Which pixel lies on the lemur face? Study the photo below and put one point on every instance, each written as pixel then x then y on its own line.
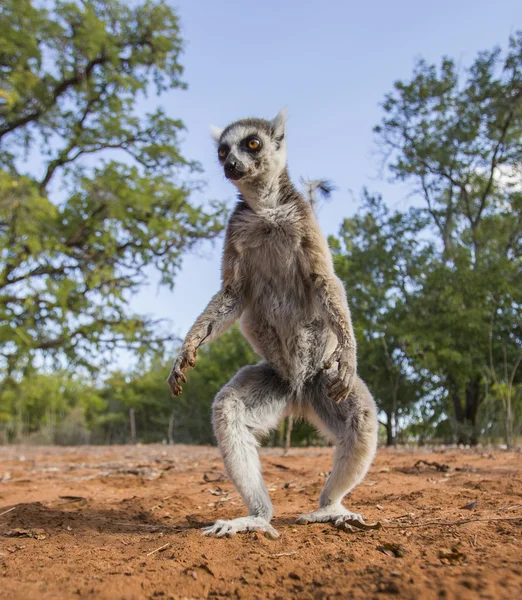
pixel 252 149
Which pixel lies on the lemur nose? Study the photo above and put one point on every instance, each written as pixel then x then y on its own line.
pixel 233 168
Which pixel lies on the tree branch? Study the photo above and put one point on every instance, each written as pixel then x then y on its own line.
pixel 58 91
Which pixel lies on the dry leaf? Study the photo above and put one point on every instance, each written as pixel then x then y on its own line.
pixel 214 477
pixel 391 549
pixel 73 499
pixel 351 524
pixel 451 557
pixel 37 534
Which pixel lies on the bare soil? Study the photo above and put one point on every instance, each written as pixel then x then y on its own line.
pixel 123 522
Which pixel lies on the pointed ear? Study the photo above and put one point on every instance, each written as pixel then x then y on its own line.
pixel 279 123
pixel 216 132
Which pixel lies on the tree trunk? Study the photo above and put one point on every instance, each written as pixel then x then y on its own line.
pixel 395 412
pixel 472 406
pixel 466 412
pixel 508 425
pixel 288 437
pixel 170 432
pixel 389 429
pixel 132 417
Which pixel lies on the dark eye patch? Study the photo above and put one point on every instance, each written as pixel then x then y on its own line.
pixel 223 151
pixel 252 144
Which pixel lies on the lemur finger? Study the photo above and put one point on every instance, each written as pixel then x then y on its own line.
pixel 341 396
pixel 338 391
pixel 335 386
pixel 178 376
pixel 334 357
pixel 343 370
pixel 337 396
pixel 175 390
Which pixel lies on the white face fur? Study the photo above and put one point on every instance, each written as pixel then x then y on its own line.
pixel 252 151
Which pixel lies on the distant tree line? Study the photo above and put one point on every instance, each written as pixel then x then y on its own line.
pixel 435 289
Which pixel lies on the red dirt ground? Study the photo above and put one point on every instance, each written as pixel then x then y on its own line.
pixel 122 522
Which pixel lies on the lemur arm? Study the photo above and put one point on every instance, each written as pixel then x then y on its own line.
pixel 331 297
pixel 335 308
pixel 219 315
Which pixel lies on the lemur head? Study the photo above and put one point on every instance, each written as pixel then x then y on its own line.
pixel 252 151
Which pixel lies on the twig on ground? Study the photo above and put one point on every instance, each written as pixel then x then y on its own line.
pixel 71 500
pixel 7 511
pixel 281 554
pixel 438 466
pixel 159 549
pixel 451 523
pixel 132 524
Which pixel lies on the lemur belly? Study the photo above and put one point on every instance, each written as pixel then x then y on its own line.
pixel 284 325
pixel 296 353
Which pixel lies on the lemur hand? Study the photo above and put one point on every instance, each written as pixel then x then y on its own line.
pixel 342 382
pixel 186 359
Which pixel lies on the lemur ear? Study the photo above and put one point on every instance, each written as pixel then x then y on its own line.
pixel 216 132
pixel 279 123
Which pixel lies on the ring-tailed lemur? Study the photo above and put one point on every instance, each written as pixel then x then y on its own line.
pixel 278 279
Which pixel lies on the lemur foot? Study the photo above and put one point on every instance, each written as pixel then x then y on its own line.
pixel 230 528
pixel 338 515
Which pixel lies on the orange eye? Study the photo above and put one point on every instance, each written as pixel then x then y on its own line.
pixel 254 143
pixel 222 152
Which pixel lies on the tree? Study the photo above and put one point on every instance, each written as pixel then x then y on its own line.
pixel 78 235
pixel 185 418
pixel 504 387
pixel 380 257
pixel 54 408
pixel 458 140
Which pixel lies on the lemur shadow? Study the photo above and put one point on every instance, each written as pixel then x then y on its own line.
pixel 284 521
pixel 35 515
pixel 130 519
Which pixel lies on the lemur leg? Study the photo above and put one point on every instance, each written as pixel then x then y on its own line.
pixel 249 406
pixel 353 426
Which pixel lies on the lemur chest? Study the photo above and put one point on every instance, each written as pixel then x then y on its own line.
pixel 273 265
pixel 270 231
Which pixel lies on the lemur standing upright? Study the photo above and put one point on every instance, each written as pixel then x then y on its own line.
pixel 278 279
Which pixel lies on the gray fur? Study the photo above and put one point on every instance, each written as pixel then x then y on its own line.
pixel 278 279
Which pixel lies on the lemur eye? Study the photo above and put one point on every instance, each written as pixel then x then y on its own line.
pixel 222 151
pixel 254 143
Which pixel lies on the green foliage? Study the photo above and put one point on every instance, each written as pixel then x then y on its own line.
pixel 457 139
pixel 52 408
pixel 71 75
pixel 146 392
pixel 380 258
pixel 216 365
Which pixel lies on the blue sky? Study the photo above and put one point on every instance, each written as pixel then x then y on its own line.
pixel 330 63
